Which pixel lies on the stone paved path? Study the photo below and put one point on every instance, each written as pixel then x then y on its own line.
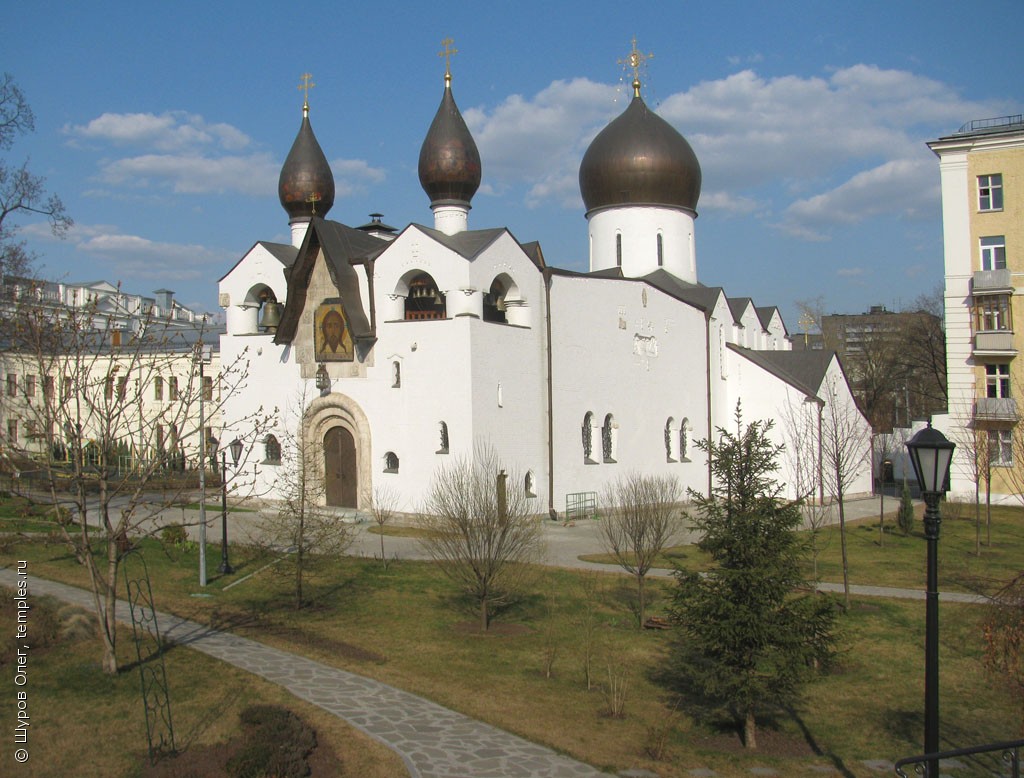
pixel 431 739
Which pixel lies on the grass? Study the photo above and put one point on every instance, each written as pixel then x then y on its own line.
pixel 85 723
pixel 408 626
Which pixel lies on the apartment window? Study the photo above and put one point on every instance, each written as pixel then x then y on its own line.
pixel 12 385
pixel 12 432
pixel 30 386
pixel 993 252
pixel 997 380
pixel 48 387
pixel 158 388
pixel 207 388
pixel 992 313
pixel 990 192
pixel 122 388
pixel 108 388
pixel 172 387
pixel 66 388
pixel 1000 448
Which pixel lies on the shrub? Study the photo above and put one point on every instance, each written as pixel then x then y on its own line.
pixel 174 535
pixel 275 742
pixel 905 515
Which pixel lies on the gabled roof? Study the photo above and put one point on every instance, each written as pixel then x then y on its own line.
pixel 803 370
pixel 284 253
pixel 766 313
pixel 342 247
pixel 467 244
pixel 697 295
pixel 738 306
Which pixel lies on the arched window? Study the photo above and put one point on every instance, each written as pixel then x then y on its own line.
pixel 424 300
pixel 391 462
pixel 683 441
pixel 272 450
pixel 588 437
pixel 530 484
pixel 396 374
pixel 608 438
pixel 618 249
pixel 670 440
pixel 661 250
pixel 494 303
pixel 443 430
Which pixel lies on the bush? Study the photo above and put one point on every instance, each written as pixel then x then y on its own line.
pixel 174 535
pixel 275 742
pixel 905 515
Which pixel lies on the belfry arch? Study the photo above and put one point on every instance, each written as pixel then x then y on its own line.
pixel 338 424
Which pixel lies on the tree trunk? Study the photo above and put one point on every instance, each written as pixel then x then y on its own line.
pixel 484 621
pixel 750 730
pixel 641 604
pixel 846 563
pixel 977 520
pixel 881 515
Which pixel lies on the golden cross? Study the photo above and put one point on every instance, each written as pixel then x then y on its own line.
pixel 305 86
pixel 806 321
pixel 314 199
pixel 636 61
pixel 447 54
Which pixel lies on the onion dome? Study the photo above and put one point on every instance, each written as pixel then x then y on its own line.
pixel 639 159
pixel 449 161
pixel 306 186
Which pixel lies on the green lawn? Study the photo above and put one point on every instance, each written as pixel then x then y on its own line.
pixel 406 625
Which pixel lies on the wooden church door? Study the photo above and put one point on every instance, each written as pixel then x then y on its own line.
pixel 340 468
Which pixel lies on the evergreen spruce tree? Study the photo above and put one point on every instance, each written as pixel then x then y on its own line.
pixel 750 638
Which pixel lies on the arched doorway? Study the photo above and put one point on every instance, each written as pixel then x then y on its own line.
pixel 340 470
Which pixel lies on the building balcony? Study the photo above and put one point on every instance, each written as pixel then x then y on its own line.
pixel 991 282
pixel 995 343
pixel 995 409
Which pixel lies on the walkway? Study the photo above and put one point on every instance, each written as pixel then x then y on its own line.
pixel 432 740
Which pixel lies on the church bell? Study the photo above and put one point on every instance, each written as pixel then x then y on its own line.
pixel 270 317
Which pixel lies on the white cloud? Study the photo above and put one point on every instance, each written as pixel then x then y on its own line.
pixel 132 256
pixel 903 187
pixel 169 131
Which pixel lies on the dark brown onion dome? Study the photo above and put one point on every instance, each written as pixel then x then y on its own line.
pixel 639 159
pixel 306 186
pixel 449 161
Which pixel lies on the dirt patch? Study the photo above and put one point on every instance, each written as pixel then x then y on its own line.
pixel 211 762
pixel 770 742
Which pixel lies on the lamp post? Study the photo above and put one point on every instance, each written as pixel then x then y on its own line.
pixel 931 454
pixel 200 354
pixel 236 452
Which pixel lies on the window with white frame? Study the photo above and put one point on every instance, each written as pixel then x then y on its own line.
pixel 990 192
pixel 1000 448
pixel 993 252
pixel 992 313
pixel 997 379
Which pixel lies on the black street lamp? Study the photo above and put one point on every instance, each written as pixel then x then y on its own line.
pixel 931 454
pixel 236 452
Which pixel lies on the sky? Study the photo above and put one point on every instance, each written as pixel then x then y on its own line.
pixel 163 127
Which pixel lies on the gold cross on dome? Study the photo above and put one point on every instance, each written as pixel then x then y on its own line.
pixel 305 86
pixel 447 53
pixel 636 60
pixel 314 199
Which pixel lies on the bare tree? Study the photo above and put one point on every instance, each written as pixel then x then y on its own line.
pixel 110 421
pixel 844 436
pixel 303 530
pixel 382 504
pixel 21 192
pixel 801 428
pixel 640 515
pixel 481 530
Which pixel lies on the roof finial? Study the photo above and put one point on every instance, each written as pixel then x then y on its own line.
pixel 636 61
pixel 447 54
pixel 305 86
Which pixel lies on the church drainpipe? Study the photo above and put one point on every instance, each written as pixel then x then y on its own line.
pixel 551 429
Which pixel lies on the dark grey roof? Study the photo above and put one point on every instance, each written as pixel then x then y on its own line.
pixel 697 295
pixel 468 243
pixel 284 253
pixel 765 314
pixel 804 370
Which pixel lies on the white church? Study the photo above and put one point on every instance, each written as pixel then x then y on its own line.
pixel 400 349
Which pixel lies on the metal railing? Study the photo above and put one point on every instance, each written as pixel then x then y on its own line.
pixel 995 123
pixel 1008 751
